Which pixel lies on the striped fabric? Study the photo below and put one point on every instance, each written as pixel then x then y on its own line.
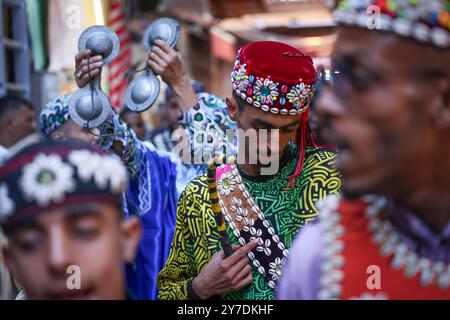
pixel 120 65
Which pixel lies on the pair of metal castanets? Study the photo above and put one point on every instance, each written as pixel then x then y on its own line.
pixel 89 106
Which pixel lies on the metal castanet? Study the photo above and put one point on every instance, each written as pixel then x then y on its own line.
pixel 102 41
pixel 165 29
pixel 89 106
pixel 143 91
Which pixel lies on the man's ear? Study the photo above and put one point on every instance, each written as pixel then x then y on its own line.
pixel 441 104
pixel 232 108
pixel 58 135
pixel 131 236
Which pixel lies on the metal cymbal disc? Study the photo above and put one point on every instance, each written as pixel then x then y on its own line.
pixel 86 115
pixel 142 92
pixel 165 29
pixel 101 40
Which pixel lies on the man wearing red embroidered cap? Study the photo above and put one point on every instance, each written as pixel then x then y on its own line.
pixel 389 111
pixel 273 84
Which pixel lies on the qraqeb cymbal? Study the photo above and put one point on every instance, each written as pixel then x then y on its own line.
pixel 100 40
pixel 89 107
pixel 165 29
pixel 143 91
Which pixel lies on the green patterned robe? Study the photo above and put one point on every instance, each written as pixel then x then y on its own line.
pixel 196 238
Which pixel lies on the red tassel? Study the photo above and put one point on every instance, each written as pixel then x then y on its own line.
pixel 305 138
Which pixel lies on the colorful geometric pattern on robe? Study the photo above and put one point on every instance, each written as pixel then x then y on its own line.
pixel 196 238
pixel 206 126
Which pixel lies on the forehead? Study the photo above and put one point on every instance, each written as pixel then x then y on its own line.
pixel 72 126
pixel 49 218
pixel 378 49
pixel 23 111
pixel 275 119
pixel 25 108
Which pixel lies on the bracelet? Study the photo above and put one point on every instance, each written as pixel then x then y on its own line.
pixel 190 291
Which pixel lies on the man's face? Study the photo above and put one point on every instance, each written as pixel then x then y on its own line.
pixel 135 122
pixel 73 131
pixel 91 237
pixel 173 114
pixel 383 127
pixel 22 124
pixel 250 119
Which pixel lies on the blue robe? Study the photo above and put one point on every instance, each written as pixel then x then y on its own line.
pixel 158 173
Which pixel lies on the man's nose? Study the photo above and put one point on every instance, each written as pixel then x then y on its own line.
pixel 328 106
pixel 58 256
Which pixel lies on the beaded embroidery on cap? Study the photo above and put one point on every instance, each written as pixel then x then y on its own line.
pixel 263 92
pixel 424 20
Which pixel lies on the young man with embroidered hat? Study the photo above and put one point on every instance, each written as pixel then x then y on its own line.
pixel 60 207
pixel 389 111
pixel 273 84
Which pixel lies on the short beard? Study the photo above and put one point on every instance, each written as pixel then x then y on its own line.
pixel 358 192
pixel 354 194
